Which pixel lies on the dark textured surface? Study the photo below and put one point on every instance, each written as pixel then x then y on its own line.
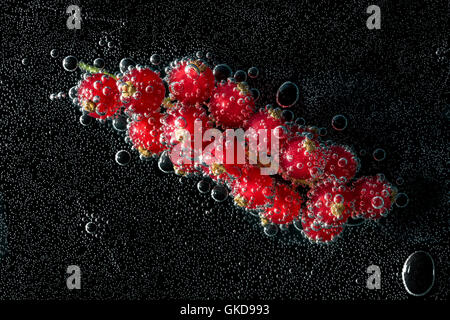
pixel 157 237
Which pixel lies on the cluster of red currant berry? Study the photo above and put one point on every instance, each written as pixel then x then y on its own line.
pixel 314 184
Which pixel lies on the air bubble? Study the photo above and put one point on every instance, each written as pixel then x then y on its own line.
pixel 123 157
pixel 339 122
pixel 219 193
pixel 155 59
pixel 379 154
pixel 287 94
pixel 70 63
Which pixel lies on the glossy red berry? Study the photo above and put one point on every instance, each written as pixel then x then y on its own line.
pixel 191 82
pixel 374 197
pixel 225 159
pixel 145 135
pixel 341 162
pixel 182 126
pixel 316 232
pixel 302 160
pixel 231 104
pixel 98 95
pixel 261 126
pixel 330 203
pixel 253 190
pixel 142 91
pixel 286 206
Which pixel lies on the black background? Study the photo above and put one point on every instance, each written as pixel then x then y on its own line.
pixel 157 237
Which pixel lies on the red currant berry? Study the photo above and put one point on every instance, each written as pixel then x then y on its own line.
pixel 142 91
pixel 253 190
pixel 341 163
pixel 302 160
pixel 182 130
pixel 330 202
pixel 270 120
pixel 374 197
pixel 145 135
pixel 231 104
pixel 286 206
pixel 315 232
pixel 98 95
pixel 191 82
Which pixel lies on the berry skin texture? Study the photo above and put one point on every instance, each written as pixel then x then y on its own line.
pixel 98 95
pixel 231 104
pixel 142 91
pixel 178 130
pixel 219 167
pixel 266 119
pixel 252 190
pixel 286 206
pixel 302 160
pixel 315 232
pixel 341 162
pixel 145 135
pixel 374 197
pixel 330 203
pixel 191 82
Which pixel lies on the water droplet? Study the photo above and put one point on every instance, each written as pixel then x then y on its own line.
pixel 222 72
pixel 401 200
pixel 240 76
pixel 164 163
pixel 90 227
pixel 54 53
pixel 377 202
pixel 203 186
pixel 287 115
pixel 85 120
pixel 255 93
pixel 287 94
pixel 155 59
pixel 125 63
pixel 418 273
pixel 120 123
pixel 99 63
pixel 379 154
pixel 339 122
pixel 253 72
pixel 219 193
pixel 123 157
pixel 270 229
pixel 70 63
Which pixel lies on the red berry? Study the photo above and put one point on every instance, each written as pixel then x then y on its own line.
pixel 179 125
pixel 302 160
pixel 330 202
pixel 191 82
pixel 266 119
pixel 314 231
pixel 252 190
pixel 225 162
pixel 142 90
pixel 145 135
pixel 341 162
pixel 231 104
pixel 98 94
pixel 286 206
pixel 374 197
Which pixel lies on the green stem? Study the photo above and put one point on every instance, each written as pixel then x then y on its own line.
pixel 92 69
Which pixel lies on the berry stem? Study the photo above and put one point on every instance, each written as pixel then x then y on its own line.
pixel 92 69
